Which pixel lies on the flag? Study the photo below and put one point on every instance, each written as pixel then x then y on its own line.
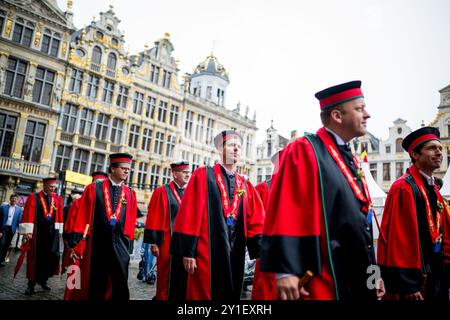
pixel 364 156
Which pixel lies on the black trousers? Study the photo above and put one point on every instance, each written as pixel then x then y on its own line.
pixel 5 242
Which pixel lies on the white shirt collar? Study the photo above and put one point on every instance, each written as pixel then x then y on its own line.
pixel 339 140
pixel 429 179
pixel 115 184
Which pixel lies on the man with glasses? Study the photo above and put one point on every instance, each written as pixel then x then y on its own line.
pixel 41 225
pixel 162 211
pixel 102 231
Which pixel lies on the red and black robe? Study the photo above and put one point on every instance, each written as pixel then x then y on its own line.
pixel 316 222
pixel 68 234
pixel 408 252
pixel 162 210
pixel 201 232
pixel 43 257
pixel 264 283
pixel 103 270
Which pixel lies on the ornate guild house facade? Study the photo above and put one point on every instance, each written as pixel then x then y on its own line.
pixel 69 97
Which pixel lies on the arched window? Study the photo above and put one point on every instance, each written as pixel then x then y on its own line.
pixel 97 55
pixel 96 59
pixel 398 145
pixel 112 60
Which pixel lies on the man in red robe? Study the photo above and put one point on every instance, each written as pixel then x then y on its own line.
pixel 264 283
pixel 103 228
pixel 70 220
pixel 221 213
pixel 42 225
pixel 319 216
pixel 162 211
pixel 415 257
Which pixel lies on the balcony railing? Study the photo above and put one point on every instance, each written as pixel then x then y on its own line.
pixel 84 141
pixel 23 168
pixel 95 67
pixel 110 73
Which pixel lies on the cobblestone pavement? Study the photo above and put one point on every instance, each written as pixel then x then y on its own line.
pixel 14 289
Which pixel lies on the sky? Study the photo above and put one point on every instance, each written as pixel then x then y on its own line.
pixel 279 53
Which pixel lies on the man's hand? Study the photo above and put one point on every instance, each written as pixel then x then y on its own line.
pixel 29 236
pixel 414 296
pixel 74 255
pixel 381 290
pixel 288 288
pixel 1 234
pixel 155 250
pixel 189 264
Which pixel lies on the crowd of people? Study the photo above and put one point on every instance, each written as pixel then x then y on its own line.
pixel 309 227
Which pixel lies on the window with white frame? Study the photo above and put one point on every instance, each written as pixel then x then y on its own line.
pixel 159 140
pixel 80 161
pixel 76 81
pixel 147 139
pixel 142 175
pixel 92 87
pixel 86 122
pixel 151 106
pixel 15 77
pixel 97 162
pixel 166 79
pixel 174 115
pixel 108 91
pixel 167 175
pixel 23 32
pixel 138 102
pixel 43 86
pixel 69 118
pixel 96 59
pixel 134 135
pixel 102 126
pixel 122 97
pixel 170 145
pixel 162 111
pixel 199 128
pixel 154 74
pixel 116 131
pixel 188 124
pixel 209 131
pixel 8 125
pixel 63 154
pixel 154 177
pixel 34 141
pixel 50 43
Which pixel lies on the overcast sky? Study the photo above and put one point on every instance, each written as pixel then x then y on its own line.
pixel 279 53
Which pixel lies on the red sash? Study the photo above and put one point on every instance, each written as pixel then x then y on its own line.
pixel 363 197
pixel 175 193
pixel 433 225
